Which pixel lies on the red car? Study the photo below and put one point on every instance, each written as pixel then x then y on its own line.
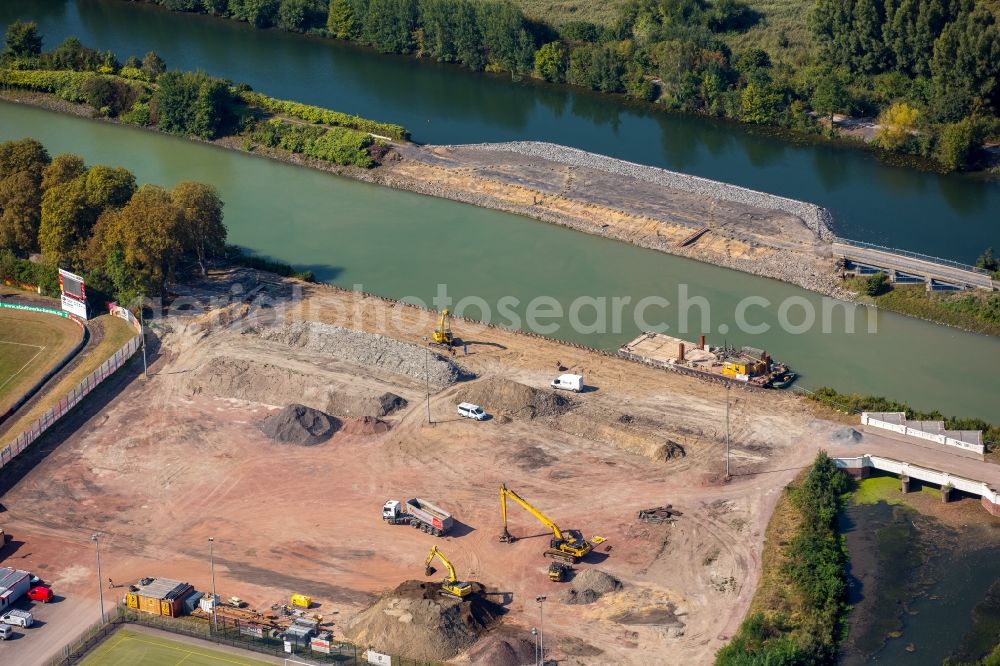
pixel 40 593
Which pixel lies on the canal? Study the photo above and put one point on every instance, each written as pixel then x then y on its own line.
pixel 951 216
pixel 401 244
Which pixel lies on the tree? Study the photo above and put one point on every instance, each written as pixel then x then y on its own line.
pixel 343 21
pixel 65 223
pixel 551 62
pixel 760 102
pixel 108 187
pixel 20 200
pixel 258 13
pixel 830 95
pixel 987 261
pixel 22 40
pixel 957 144
pixel 201 229
pixel 295 15
pixel 145 231
pixel 63 169
pixel 896 126
pixel 876 284
pixel 153 66
pixel 23 155
pixel 192 103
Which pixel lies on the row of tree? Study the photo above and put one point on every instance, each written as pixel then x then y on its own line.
pixel 97 221
pixel 939 57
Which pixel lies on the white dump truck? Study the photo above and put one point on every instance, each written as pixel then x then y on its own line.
pixel 568 383
pixel 419 514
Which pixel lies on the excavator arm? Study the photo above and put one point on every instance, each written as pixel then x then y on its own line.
pixel 444 560
pixel 505 492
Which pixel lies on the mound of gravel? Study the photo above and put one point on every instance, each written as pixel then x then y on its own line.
pixel 298 424
pixel 271 384
pixel 498 649
pixel 368 349
pixel 846 436
pixel 500 396
pixel 416 621
pixel 588 586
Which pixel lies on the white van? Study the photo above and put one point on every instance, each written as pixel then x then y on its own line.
pixel 18 618
pixel 568 382
pixel 470 411
pixel 6 631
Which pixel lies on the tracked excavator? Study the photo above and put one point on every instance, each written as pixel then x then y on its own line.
pixel 565 546
pixel 450 586
pixel 442 334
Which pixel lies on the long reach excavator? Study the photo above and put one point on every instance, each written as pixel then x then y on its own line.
pixel 450 585
pixel 565 545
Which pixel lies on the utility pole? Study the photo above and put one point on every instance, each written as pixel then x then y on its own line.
pixel 727 431
pixel 142 332
pixel 215 597
pixel 541 631
pixel 427 380
pixel 96 538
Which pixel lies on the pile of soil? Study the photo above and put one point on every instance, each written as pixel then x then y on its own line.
pixel 500 396
pixel 367 349
pixel 504 648
pixel 298 424
pixel 366 426
pixel 416 621
pixel 588 586
pixel 624 432
pixel 270 384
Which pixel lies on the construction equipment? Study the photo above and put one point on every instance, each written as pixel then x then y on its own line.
pixel 442 334
pixel 559 572
pixel 450 585
pixel 418 513
pixel 566 545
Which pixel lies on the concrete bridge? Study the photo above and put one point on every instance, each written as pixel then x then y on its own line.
pixel 949 482
pixel 910 267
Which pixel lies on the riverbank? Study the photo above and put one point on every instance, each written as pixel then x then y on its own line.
pixel 705 220
pixel 921 576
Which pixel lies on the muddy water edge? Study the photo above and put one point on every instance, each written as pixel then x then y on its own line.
pixel 924 576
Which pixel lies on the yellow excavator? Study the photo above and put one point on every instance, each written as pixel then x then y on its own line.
pixel 566 545
pixel 450 585
pixel 442 334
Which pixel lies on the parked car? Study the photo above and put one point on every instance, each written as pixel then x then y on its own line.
pixel 40 593
pixel 6 631
pixel 470 411
pixel 17 618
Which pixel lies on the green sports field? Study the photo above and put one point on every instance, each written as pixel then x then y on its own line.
pixel 131 648
pixel 30 344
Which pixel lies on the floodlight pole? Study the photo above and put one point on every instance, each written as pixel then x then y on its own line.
pixel 541 631
pixel 215 597
pixel 534 632
pixel 96 538
pixel 427 380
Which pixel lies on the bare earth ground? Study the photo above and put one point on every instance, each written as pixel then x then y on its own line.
pixel 159 471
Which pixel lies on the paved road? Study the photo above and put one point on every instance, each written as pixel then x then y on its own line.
pixel 935 458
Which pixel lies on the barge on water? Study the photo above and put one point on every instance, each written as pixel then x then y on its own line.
pixel 745 366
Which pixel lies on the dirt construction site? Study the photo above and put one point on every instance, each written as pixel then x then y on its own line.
pixel 294 503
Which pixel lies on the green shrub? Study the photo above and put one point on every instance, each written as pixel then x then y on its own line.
pixel 317 115
pixel 21 271
pixel 138 115
pixel 877 284
pixel 338 145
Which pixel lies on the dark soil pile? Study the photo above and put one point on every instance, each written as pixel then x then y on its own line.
pixel 416 621
pixel 368 425
pixel 301 425
pixel 504 648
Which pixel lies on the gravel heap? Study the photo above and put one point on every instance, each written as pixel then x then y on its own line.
pixel 588 586
pixel 416 621
pixel 367 349
pixel 298 424
pixel 818 219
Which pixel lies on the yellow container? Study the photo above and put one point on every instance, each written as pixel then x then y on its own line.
pixel 131 600
pixel 301 600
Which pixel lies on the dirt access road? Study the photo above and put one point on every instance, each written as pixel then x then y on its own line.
pixel 164 467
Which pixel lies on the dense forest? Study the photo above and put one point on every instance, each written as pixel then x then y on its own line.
pixel 127 239
pixel 929 69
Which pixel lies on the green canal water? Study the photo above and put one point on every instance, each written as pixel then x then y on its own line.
pixel 400 244
pixel 952 216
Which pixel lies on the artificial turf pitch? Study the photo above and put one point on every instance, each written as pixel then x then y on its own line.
pixel 130 648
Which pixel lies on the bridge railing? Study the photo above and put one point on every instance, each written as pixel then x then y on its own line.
pixel 912 255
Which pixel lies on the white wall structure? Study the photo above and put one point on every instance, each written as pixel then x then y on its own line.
pixel 932 431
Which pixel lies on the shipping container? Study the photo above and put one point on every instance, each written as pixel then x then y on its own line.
pixel 14 584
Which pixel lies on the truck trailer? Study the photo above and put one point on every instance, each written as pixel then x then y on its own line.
pixel 14 584
pixel 419 514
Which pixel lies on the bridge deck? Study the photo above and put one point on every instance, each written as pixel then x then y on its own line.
pixel 928 268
